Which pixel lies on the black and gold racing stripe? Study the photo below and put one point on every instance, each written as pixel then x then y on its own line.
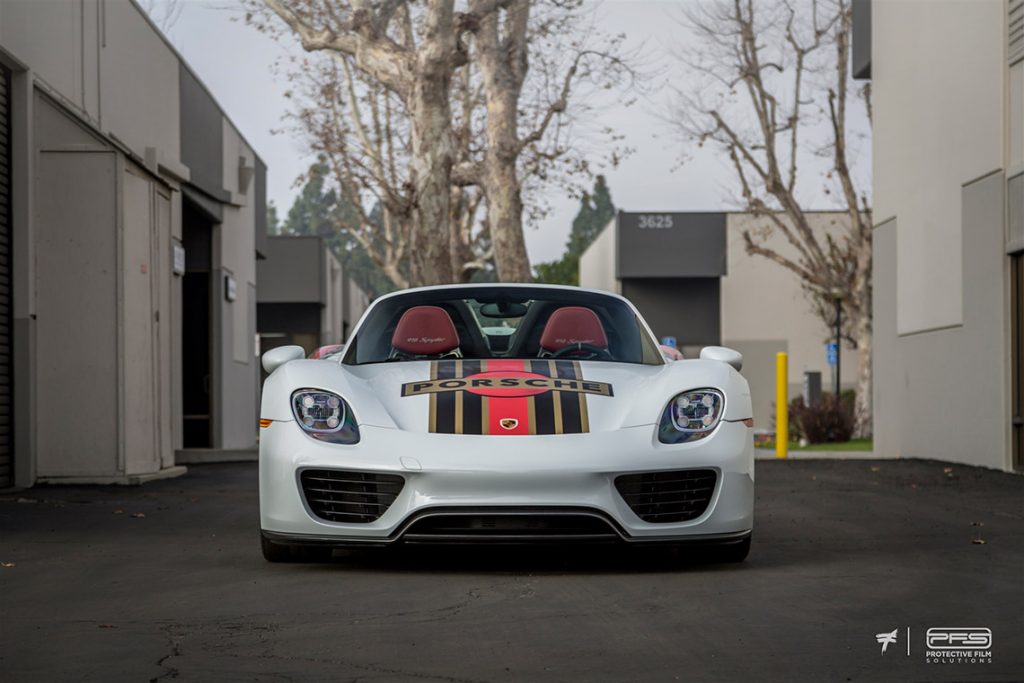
pixel 444 411
pixel 465 412
pixel 560 412
pixel 471 420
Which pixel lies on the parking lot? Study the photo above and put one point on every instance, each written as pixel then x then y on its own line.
pixel 166 581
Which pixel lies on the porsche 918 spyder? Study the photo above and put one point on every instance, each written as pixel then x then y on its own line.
pixel 503 413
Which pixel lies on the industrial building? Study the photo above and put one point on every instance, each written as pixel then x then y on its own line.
pixel 948 148
pixel 691 277
pixel 303 295
pixel 132 214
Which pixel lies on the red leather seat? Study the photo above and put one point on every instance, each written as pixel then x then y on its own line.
pixel 425 331
pixel 573 325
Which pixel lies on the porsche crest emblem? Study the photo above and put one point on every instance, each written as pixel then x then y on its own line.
pixel 509 423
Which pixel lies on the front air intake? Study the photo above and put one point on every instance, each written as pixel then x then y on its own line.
pixel 665 497
pixel 349 497
pixel 522 525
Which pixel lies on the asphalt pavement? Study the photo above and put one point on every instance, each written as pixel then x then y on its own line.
pixel 166 581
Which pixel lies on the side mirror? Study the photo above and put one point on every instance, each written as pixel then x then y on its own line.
pixel 724 355
pixel 275 358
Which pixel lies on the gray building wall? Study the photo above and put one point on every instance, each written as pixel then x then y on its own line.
pixel 293 270
pixel 304 295
pixel 688 309
pixel 97 182
pixel 662 244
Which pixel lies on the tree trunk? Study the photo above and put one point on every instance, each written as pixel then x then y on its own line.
pixel 503 66
pixel 862 409
pixel 862 291
pixel 505 220
pixel 430 174
pixel 459 230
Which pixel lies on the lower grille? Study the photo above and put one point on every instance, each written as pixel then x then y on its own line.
pixel 664 497
pixel 509 527
pixel 349 497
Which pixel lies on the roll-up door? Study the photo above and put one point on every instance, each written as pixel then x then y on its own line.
pixel 6 313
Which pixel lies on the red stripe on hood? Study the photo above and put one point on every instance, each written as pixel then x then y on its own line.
pixel 516 408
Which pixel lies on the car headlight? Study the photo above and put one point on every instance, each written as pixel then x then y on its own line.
pixel 691 416
pixel 325 416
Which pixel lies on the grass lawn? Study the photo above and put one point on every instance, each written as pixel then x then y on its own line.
pixel 854 445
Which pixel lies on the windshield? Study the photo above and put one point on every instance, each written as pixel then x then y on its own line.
pixel 482 323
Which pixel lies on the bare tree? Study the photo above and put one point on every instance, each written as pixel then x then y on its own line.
pixel 771 77
pixel 527 122
pixel 413 58
pixel 477 129
pixel 362 132
pixel 357 127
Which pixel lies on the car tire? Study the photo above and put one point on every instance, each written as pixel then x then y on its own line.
pixel 282 552
pixel 732 552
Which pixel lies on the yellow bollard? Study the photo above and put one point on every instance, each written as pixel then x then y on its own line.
pixel 781 404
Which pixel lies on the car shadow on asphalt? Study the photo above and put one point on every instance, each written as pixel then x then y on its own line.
pixel 532 559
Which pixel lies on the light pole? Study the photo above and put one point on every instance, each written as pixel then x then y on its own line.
pixel 837 294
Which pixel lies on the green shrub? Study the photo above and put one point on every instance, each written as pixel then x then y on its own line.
pixel 827 421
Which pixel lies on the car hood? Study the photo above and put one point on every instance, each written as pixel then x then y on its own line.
pixel 506 397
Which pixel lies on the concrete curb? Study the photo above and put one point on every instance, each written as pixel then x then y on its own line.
pixel 203 456
pixel 769 454
pixel 128 480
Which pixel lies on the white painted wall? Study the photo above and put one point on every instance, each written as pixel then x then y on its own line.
pixel 946 127
pixel 944 394
pixel 938 72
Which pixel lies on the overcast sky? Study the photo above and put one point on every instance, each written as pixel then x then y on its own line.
pixel 235 62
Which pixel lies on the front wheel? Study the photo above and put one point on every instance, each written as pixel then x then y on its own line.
pixel 283 552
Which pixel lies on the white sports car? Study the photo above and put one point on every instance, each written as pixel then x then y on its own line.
pixel 508 414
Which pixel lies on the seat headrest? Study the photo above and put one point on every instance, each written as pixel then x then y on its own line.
pixel 425 331
pixel 573 325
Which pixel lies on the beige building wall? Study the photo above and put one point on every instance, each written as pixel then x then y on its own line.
pixel 332 320
pixel 97 177
pixel 53 37
pixel 70 45
pixel 597 263
pixel 234 249
pixel 765 310
pixel 356 303
pixel 945 132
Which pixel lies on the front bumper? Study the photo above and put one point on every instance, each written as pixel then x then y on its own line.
pixel 570 474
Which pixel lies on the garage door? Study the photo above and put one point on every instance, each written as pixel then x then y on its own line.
pixel 6 402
